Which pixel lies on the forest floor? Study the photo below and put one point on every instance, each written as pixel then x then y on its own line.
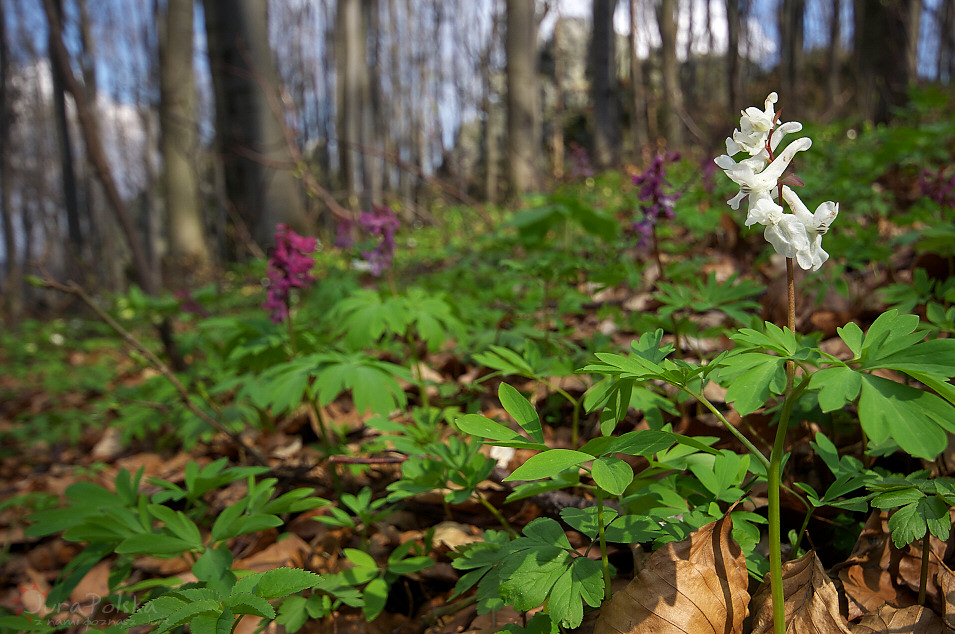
pixel 863 570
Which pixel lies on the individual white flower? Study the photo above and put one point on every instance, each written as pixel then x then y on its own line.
pixel 764 211
pixel 816 225
pixel 754 127
pixel 788 236
pixel 756 179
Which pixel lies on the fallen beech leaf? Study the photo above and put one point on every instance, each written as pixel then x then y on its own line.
pixel 914 619
pixel 812 603
pixel 877 572
pixel 696 585
pixel 946 583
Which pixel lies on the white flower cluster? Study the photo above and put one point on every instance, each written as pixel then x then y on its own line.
pixel 797 235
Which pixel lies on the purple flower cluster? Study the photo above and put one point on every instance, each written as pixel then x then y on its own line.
pixel 289 267
pixel 938 187
pixel 656 202
pixel 580 167
pixel 381 223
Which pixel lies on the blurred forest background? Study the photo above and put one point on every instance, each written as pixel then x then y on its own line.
pixel 149 141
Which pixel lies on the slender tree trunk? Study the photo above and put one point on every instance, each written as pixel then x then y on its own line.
pixel 945 66
pixel 557 128
pixel 352 84
pixel 638 91
pixel 913 22
pixel 148 279
pixel 13 285
pixel 67 165
pixel 672 92
pixel 188 245
pixel 734 83
pixel 604 84
pixel 792 60
pixel 250 133
pixel 881 56
pixel 833 52
pixel 523 109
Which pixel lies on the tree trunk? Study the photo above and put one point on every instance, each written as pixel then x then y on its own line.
pixel 791 58
pixel 523 109
pixel 833 52
pixel 13 275
pixel 250 131
pixel 881 56
pixel 734 85
pixel 945 66
pixel 604 85
pixel 147 278
pixel 353 87
pixel 639 125
pixel 188 246
pixel 67 167
pixel 672 93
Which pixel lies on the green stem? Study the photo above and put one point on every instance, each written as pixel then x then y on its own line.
pixel 416 372
pixel 496 513
pixel 773 480
pixel 575 417
pixel 773 473
pixel 923 573
pixel 326 443
pixel 729 426
pixel 601 536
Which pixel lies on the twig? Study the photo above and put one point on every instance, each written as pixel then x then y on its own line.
pixel 74 289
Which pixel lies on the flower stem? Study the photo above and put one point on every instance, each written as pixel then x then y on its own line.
pixel 773 473
pixel 601 535
pixel 729 426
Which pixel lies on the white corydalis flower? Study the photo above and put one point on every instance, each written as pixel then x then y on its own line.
pixel 756 179
pixel 755 126
pixel 816 225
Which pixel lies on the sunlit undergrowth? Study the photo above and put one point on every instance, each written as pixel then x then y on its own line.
pixel 382 386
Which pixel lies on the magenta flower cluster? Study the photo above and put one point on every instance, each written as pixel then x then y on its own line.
pixel 655 201
pixel 382 224
pixel 938 187
pixel 289 267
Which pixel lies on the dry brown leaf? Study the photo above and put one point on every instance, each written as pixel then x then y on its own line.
pixel 696 585
pixel 946 584
pixel 877 572
pixel 914 619
pixel 812 602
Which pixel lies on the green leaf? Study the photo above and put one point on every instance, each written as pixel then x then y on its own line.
pixel 751 389
pixel 548 464
pixel 248 603
pixel 281 582
pixel 153 544
pixel 178 524
pixel 483 427
pixel 585 520
pixel 852 336
pixel 190 611
pixel 376 595
pixel 529 574
pixel 906 414
pixel 156 610
pixel 215 568
pixel 213 623
pixel 936 356
pixel 613 475
pixel 899 497
pixel 522 411
pixel 583 581
pixel 907 525
pixel 225 525
pixel 837 386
